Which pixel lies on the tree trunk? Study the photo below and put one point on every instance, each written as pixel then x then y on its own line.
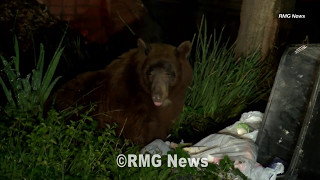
pixel 259 25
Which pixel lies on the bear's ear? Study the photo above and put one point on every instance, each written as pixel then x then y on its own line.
pixel 184 49
pixel 143 46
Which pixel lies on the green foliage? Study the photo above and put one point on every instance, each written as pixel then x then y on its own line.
pixel 191 122
pixel 222 85
pixel 28 94
pixel 53 149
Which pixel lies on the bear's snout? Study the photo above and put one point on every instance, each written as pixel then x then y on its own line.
pixel 159 90
pixel 156 98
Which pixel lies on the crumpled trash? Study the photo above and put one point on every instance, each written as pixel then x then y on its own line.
pixel 236 141
pixel 156 147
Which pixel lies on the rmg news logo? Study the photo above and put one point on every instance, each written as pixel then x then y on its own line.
pixel 289 16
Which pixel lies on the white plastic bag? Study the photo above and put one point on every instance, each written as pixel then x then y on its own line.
pixel 239 147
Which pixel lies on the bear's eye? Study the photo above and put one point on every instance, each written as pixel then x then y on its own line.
pixel 171 74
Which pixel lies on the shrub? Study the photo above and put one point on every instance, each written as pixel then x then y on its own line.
pixel 26 96
pixel 222 85
pixel 55 150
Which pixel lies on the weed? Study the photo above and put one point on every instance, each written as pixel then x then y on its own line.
pixel 222 85
pixel 28 95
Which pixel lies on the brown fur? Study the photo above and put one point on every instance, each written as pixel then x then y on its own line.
pixel 123 91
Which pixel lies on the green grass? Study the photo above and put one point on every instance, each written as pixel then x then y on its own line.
pixel 222 85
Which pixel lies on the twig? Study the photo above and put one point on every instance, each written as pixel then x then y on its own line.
pixel 126 24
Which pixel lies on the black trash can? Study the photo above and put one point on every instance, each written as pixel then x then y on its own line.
pixel 291 125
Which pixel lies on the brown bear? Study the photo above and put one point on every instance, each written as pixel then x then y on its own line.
pixel 143 91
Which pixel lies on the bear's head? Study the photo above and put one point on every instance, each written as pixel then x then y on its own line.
pixel 163 68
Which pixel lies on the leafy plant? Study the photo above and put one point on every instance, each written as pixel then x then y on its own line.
pixel 76 150
pixel 223 85
pixel 29 94
pixel 55 150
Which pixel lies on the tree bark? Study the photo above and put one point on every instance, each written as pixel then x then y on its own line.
pixel 259 25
